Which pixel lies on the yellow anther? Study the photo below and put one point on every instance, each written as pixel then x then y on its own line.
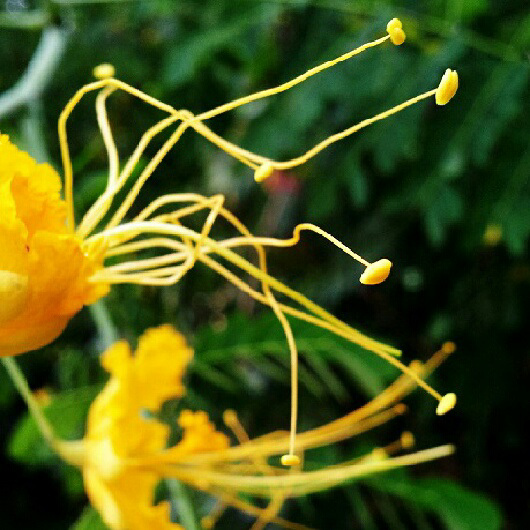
pixel 263 172
pixel 395 23
pixel 230 417
pixel 103 71
pixel 376 272
pixel 395 30
pixel 378 454
pixel 290 460
pixel 407 440
pixel 448 347
pixel 13 294
pixel 446 404
pixel 447 87
pixel 492 235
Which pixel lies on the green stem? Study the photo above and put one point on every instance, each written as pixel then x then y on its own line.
pixel 187 514
pixel 71 452
pixel 32 20
pixel 21 384
pixel 104 325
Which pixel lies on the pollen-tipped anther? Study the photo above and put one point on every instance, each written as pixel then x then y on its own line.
pixel 103 71
pixel 378 454
pixel 13 293
pixel 395 30
pixel 448 347
pixel 376 272
pixel 407 440
pixel 229 417
pixel 492 235
pixel 290 460
pixel 446 404
pixel 447 87
pixel 263 172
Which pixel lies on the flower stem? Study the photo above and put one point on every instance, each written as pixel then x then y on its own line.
pixel 21 384
pixel 69 451
pixel 187 514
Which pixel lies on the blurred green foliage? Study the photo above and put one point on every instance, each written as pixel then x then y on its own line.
pixel 420 188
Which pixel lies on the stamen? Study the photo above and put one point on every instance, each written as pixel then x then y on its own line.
pixel 232 422
pixel 446 404
pixel 349 131
pixel 289 84
pixel 290 460
pixel 448 347
pixel 302 483
pixel 103 71
pixel 447 87
pixel 263 172
pixel 395 31
pixel 379 267
pixel 407 440
pixel 376 272
pixel 377 455
pixel 106 133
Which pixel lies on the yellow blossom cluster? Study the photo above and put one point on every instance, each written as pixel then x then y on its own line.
pixel 121 436
pixel 124 453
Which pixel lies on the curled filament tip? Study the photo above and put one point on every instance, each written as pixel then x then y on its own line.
pixel 263 172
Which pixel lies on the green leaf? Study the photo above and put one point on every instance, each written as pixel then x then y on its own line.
pixel 89 520
pixel 263 343
pixel 187 56
pixel 66 413
pixel 458 507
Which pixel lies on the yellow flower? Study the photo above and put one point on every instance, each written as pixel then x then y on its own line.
pixel 124 453
pixel 121 436
pixel 44 273
pixel 64 267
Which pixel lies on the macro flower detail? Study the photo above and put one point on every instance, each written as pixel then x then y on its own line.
pixel 121 436
pixel 67 264
pixel 44 273
pixel 125 452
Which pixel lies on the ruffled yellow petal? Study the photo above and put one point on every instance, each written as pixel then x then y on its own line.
pixel 160 362
pixel 102 499
pixel 13 293
pixel 13 233
pixel 120 434
pixel 36 244
pixel 35 189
